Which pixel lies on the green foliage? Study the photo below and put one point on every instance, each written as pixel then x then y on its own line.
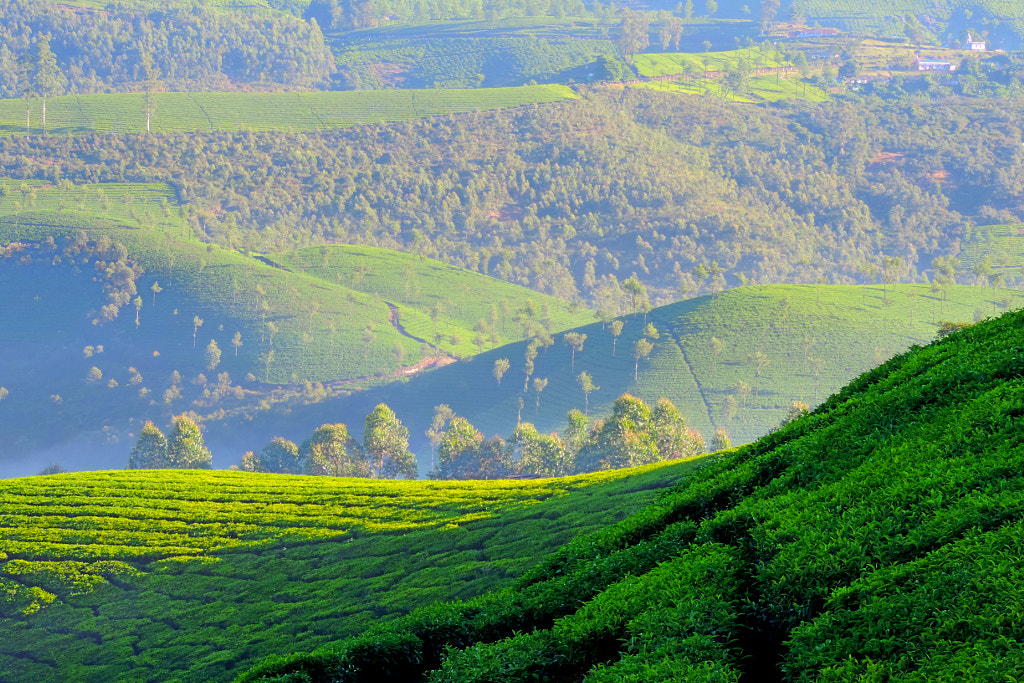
pixel 280 456
pixel 191 48
pixel 185 448
pixel 261 563
pixel 876 536
pixel 150 451
pixel 386 444
pixel 330 451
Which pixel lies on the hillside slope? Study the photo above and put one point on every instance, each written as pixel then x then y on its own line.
pixel 283 336
pixel 169 576
pixel 874 539
pixel 810 340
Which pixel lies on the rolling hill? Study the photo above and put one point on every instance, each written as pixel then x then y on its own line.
pixel 299 338
pixel 807 341
pixel 172 576
pixel 876 538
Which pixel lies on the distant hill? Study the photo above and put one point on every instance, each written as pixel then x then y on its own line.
pixel 809 340
pixel 877 538
pixel 258 563
pixel 299 338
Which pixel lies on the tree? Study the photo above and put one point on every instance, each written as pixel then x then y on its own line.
pixel 156 289
pixel 717 346
pixel 651 332
pixel 197 322
pixel 711 7
pixel 616 331
pixel 625 439
pixel 636 292
pixel 137 302
pixel 50 81
pixel 586 383
pixel 152 76
pixel 574 340
pixel 442 414
pixel 720 441
pixel 538 386
pixel 332 452
pixel 501 366
pixel 185 446
pixel 673 438
pixel 212 355
pixel 4 393
pixel 634 32
pixel 94 375
pixel 538 454
pixel 641 349
pixel 459 454
pixel 797 410
pixel 760 361
pixel 279 456
pixel 150 450
pixel 688 9
pixel 386 442
pixel 236 341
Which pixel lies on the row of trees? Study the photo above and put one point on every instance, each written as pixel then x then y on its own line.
pixel 634 434
pixel 331 451
pixel 46 50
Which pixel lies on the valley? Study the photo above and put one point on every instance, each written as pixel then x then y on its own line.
pixel 521 340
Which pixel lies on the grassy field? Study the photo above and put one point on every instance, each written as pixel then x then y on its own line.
pixel 185 112
pixel 679 63
pixel 114 575
pixel 762 89
pixel 877 538
pixel 436 301
pixel 813 339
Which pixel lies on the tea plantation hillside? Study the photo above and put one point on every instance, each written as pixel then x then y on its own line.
pixel 736 360
pixel 112 306
pixel 877 538
pixel 232 112
pixel 177 575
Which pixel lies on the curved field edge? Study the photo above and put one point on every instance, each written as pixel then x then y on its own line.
pixel 847 545
pixel 109 575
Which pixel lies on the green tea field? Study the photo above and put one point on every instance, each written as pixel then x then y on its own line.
pixel 213 111
pixel 875 539
pixel 117 575
pixel 737 360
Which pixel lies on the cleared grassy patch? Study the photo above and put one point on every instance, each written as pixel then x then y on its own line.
pixel 435 301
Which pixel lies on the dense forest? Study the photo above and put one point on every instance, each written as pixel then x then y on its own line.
pixel 691 195
pixel 49 49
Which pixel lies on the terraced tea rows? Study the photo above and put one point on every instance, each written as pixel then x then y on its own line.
pixel 259 563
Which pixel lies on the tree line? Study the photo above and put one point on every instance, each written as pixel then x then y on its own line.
pixel 47 49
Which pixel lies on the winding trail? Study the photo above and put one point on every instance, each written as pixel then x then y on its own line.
pixel 393 318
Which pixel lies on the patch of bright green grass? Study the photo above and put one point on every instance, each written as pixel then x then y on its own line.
pixel 435 301
pixel 231 567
